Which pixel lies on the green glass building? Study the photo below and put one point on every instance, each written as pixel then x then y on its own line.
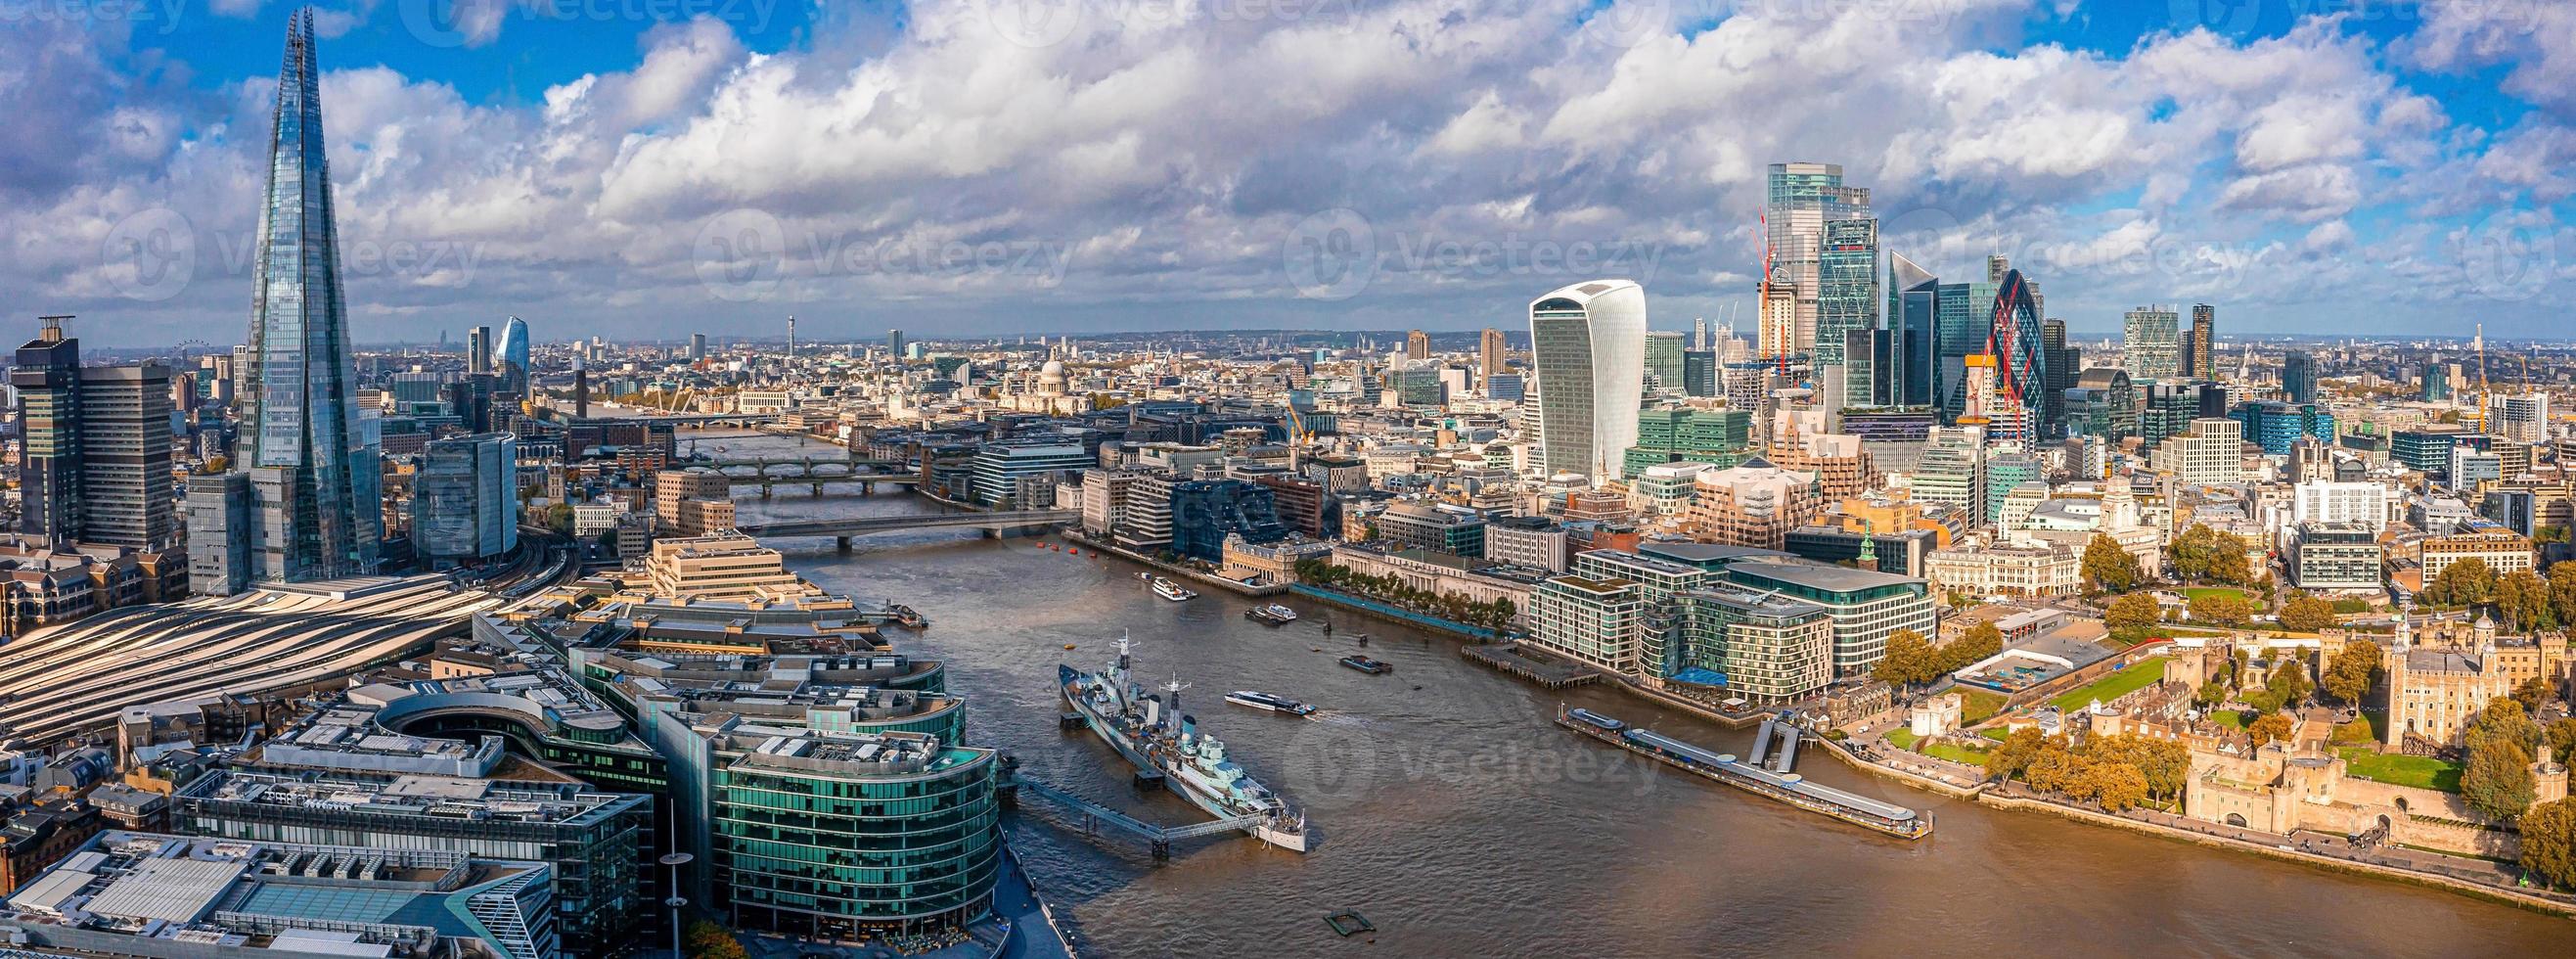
pixel 1673 434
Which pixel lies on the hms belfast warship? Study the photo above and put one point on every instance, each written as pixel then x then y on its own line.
pixel 1152 732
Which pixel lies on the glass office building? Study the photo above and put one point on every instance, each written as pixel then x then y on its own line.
pixel 1588 344
pixel 313 465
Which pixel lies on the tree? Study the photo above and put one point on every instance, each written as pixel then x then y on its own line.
pixel 2059 771
pixel 2497 782
pixel 2562 590
pixel 2531 693
pixel 2306 614
pixel 2522 598
pixel 2118 785
pixel 1908 660
pixel 2289 683
pixel 1981 641
pixel 2224 609
pixel 2465 582
pixel 2163 764
pixel 2228 565
pixel 2549 842
pixel 2501 740
pixel 2561 737
pixel 2273 726
pixel 2209 694
pixel 2016 754
pixel 706 940
pixel 2190 552
pixel 2351 671
pixel 2504 719
pixel 2133 613
pixel 2108 568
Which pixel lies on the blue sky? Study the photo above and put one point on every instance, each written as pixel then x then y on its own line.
pixel 656 167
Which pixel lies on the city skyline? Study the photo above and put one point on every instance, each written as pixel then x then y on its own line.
pixel 2393 186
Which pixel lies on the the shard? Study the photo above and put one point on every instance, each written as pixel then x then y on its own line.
pixel 311 462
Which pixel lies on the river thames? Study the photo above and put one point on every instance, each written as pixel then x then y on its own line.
pixel 1450 810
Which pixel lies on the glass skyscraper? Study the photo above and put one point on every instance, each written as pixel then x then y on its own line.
pixel 2150 344
pixel 1588 350
pixel 1800 200
pixel 308 451
pixel 510 359
pixel 1914 305
pixel 1664 358
pixel 1846 289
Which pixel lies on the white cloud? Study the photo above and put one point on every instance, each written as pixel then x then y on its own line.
pixel 1172 157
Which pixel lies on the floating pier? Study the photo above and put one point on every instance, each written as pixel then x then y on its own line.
pixel 1550 672
pixel 1862 811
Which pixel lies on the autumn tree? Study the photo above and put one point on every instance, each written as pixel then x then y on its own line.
pixel 2465 582
pixel 2272 727
pixel 2549 841
pixel 2118 785
pixel 2014 756
pixel 2132 614
pixel 1908 660
pixel 2223 609
pixel 1979 642
pixel 2498 782
pixel 2522 598
pixel 2562 591
pixel 2306 614
pixel 2351 671
pixel 2561 736
pixel 2163 764
pixel 2059 771
pixel 2531 692
pixel 2108 568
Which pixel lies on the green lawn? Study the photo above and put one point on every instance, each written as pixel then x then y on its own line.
pixel 2422 772
pixel 2359 732
pixel 2190 593
pixel 2135 676
pixel 2229 718
pixel 1904 738
pixel 1976 705
pixel 1998 734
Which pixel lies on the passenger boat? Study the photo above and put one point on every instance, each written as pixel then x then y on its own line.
pixel 1276 704
pixel 1172 591
pixel 1152 732
pixel 1366 665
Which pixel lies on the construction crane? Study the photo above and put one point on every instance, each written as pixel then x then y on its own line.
pixel 1299 434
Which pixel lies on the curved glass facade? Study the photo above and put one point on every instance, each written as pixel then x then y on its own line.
pixel 829 850
pixel 510 359
pixel 1588 347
